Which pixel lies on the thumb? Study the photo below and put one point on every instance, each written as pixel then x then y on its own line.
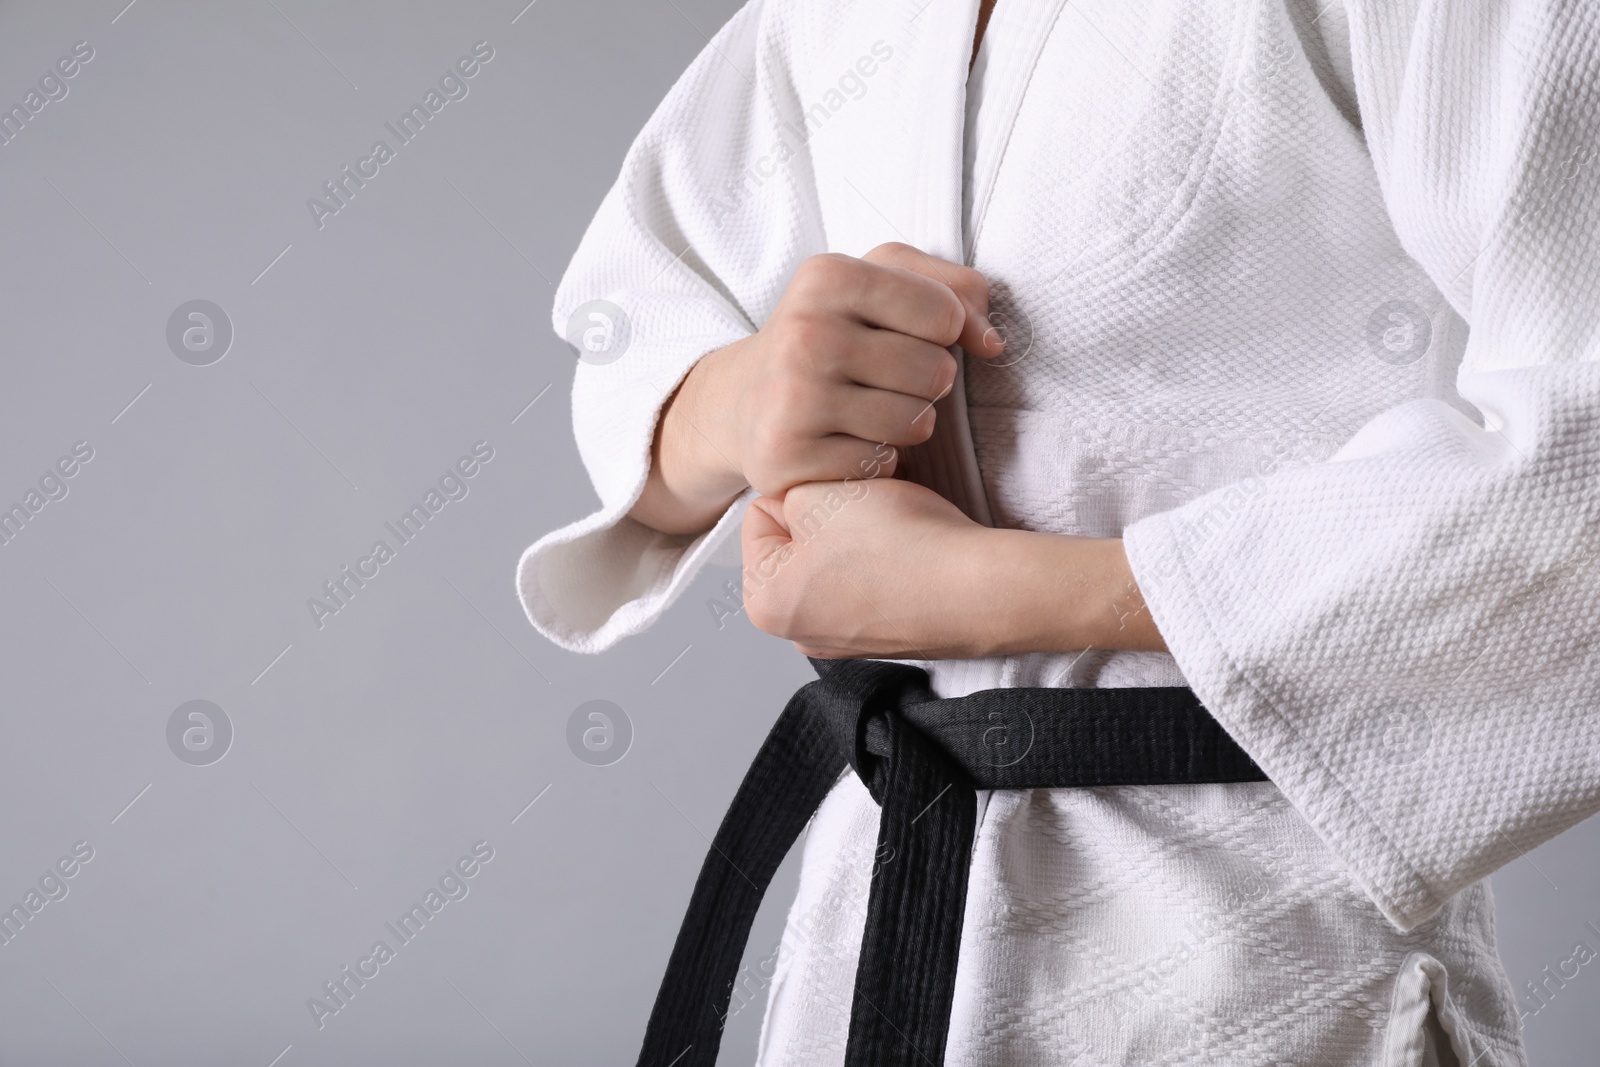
pixel 763 535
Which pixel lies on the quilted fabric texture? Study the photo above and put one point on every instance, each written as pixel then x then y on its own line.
pixel 1186 925
pixel 1303 300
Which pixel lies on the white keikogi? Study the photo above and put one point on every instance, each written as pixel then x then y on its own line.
pixel 1241 244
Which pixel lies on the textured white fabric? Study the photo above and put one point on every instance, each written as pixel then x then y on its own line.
pixel 1243 242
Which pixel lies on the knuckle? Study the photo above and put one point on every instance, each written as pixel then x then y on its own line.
pixel 811 266
pixel 802 336
pixel 806 340
pixel 823 272
pixel 947 328
pixel 889 252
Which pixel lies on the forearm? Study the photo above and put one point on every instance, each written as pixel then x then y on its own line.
pixel 692 479
pixel 891 569
pixel 1040 592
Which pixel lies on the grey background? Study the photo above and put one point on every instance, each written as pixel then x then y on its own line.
pixel 369 754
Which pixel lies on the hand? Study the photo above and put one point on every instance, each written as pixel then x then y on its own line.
pixel 842 374
pixel 890 569
pixel 853 357
pixel 860 567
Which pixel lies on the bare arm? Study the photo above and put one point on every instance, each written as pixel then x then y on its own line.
pixel 892 569
pixel 691 482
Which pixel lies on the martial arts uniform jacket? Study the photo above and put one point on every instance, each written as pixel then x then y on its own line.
pixel 1302 302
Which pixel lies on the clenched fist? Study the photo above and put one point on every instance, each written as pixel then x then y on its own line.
pixel 844 371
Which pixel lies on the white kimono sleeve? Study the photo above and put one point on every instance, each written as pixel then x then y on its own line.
pixel 693 245
pixel 1406 637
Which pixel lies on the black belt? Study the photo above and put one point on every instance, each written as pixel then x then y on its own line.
pixel 922 758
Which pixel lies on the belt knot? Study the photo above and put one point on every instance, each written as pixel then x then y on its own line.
pixel 861 701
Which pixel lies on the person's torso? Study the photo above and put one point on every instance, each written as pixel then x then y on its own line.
pixel 1189 253
pixel 1191 259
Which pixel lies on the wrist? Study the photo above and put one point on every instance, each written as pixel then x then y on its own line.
pixel 700 426
pixel 693 476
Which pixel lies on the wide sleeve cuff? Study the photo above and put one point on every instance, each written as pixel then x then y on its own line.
pixel 593 582
pixel 1192 621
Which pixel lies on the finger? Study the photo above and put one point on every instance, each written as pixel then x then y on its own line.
pixel 763 531
pixel 978 335
pixel 888 297
pixel 876 415
pixel 765 546
pixel 883 359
